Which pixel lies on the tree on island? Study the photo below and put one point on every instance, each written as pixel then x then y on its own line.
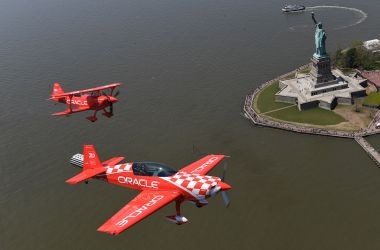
pixel 356 57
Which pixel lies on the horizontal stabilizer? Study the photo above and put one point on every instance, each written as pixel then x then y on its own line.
pixel 77 160
pixel 113 161
pixel 86 174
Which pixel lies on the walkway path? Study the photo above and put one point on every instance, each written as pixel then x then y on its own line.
pixel 270 111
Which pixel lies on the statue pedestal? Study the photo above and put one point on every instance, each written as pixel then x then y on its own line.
pixel 321 71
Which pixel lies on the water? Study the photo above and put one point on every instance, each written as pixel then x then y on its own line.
pixel 185 67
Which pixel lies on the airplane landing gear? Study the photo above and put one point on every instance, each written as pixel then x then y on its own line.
pixel 201 203
pixel 107 114
pixel 93 118
pixel 178 218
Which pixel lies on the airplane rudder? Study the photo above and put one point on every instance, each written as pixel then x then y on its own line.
pixel 90 157
pixel 57 89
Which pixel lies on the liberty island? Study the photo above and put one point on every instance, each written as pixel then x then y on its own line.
pixel 316 99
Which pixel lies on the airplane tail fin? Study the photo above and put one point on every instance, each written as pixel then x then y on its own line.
pixel 90 158
pixel 57 89
pixel 91 166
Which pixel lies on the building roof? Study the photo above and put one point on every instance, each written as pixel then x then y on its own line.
pixel 372 76
pixel 372 44
pixel 303 86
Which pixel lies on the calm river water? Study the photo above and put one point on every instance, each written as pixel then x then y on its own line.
pixel 186 67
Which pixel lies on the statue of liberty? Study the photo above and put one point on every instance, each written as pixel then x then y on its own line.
pixel 320 39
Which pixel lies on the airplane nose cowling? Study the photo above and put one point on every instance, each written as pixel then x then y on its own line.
pixel 221 186
pixel 113 99
pixel 224 186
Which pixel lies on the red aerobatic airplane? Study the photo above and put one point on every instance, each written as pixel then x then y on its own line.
pixel 88 99
pixel 159 185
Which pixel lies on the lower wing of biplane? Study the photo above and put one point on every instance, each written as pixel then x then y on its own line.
pixel 71 111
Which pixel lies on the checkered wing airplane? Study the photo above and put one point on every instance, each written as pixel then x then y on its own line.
pixel 158 183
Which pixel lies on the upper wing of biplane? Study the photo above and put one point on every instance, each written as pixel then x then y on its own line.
pixel 204 165
pixel 109 86
pixel 144 204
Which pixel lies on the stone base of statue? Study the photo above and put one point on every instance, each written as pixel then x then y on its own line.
pixel 321 71
pixel 322 87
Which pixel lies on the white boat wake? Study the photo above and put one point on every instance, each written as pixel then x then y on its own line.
pixel 362 14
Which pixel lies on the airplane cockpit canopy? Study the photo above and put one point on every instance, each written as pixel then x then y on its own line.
pixel 152 169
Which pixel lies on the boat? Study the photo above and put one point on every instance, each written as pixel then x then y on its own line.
pixel 293 8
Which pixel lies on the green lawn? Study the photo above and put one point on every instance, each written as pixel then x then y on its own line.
pixel 305 71
pixel 266 101
pixel 348 71
pixel 291 76
pixel 377 65
pixel 372 99
pixel 315 116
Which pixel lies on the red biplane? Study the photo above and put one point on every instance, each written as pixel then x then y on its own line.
pixel 159 185
pixel 88 99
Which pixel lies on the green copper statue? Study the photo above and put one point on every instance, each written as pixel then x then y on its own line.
pixel 320 38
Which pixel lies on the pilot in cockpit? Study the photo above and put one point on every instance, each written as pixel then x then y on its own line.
pixel 140 169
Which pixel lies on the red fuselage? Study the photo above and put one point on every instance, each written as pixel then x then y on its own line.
pixel 87 102
pixel 193 187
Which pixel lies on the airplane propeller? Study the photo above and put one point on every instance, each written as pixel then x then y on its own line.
pixel 111 107
pixel 225 196
pixel 110 93
pixel 219 188
pixel 108 97
pixel 224 171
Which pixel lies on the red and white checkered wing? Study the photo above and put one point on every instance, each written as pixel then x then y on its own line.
pixel 196 185
pixel 144 204
pixel 204 165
